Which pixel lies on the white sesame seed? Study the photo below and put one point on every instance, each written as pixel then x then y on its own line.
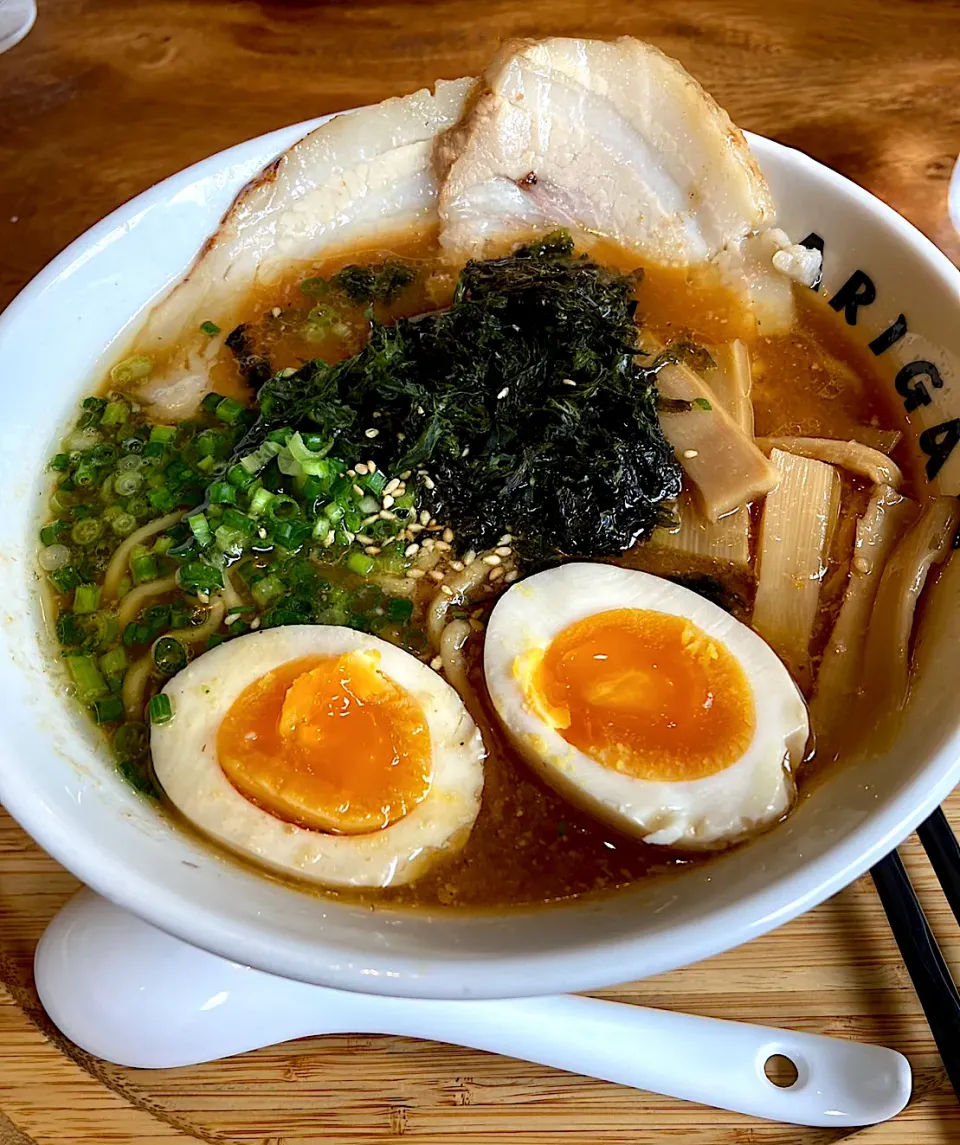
pixel 328 539
pixel 419 409
pixel 415 574
pixel 255 623
pixel 495 574
pixel 503 393
pixel 428 544
pixel 429 483
pixel 465 451
pixel 491 559
pixel 415 528
pixel 371 467
pixel 369 520
pixel 364 539
pixel 351 472
pixel 505 539
pixel 457 566
pixel 569 382
pixel 371 432
pixel 503 551
pixel 690 453
pixel 358 490
pixel 401 437
pixel 372 550
pixel 389 502
pixel 361 469
pixel 443 546
pixel 435 574
pixel 511 576
pixel 377 413
pixel 448 535
pixel 411 549
pixel 392 484
pixel 386 515
pixel 351 537
pixel 276 311
pixel 446 590
pixel 261 533
pixel 469 557
pixel 203 597
pixel 231 619
pixel 405 475
pixel 424 517
pixel 436 663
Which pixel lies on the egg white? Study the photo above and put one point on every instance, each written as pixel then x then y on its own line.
pixel 719 809
pixel 185 762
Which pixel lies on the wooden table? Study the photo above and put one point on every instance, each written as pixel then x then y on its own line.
pixel 104 98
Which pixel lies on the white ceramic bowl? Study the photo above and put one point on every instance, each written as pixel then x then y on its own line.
pixel 56 781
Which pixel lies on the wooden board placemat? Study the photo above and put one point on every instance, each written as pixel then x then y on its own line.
pixel 834 971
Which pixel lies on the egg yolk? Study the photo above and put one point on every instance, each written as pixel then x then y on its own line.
pixel 328 743
pixel 645 693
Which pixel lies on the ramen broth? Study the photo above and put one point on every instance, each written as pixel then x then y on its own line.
pixel 529 845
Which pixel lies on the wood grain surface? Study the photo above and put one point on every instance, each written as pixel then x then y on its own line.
pixel 104 98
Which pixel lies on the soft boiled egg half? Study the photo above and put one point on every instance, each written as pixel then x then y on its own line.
pixel 645 704
pixel 322 753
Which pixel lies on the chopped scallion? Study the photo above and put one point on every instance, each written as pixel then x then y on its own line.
pixel 230 411
pixel 211 329
pixel 88 681
pixel 108 710
pixel 360 564
pixel 159 709
pixel 169 655
pixel 86 598
pixel 131 369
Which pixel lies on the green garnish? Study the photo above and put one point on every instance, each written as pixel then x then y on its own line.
pixel 159 709
pixel 211 329
pixel 702 403
pixel 131 370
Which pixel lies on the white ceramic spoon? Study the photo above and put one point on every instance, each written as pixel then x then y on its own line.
pixel 127 992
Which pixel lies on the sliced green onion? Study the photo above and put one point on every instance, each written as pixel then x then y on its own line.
pixel 200 527
pixel 230 411
pixel 239 476
pixel 222 493
pixel 375 482
pixel 60 462
pixel 211 401
pixel 143 568
pixel 207 464
pixel 369 505
pixel 260 501
pixel 86 531
pixel 89 683
pixel 86 598
pixel 123 524
pixel 282 508
pixel 131 369
pixel 159 709
pixel 113 663
pixel 66 578
pixel 334 512
pixel 254 462
pixel 265 592
pixel 116 413
pixel 53 557
pixel 198 577
pixel 360 564
pixel 108 711
pixel 169 655
pixel 163 433
pixel 292 534
pixel 230 541
pixel 161 500
pixel 211 329
pixel 85 474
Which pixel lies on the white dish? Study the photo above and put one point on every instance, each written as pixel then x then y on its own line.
pixel 56 781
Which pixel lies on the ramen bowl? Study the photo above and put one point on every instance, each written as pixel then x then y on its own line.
pixel 56 778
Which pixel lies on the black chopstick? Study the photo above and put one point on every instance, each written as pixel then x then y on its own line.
pixel 922 957
pixel 943 851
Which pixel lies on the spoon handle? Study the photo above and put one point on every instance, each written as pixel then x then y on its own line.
pixel 127 992
pixel 714 1062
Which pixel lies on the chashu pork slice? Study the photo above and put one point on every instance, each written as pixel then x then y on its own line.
pixel 610 137
pixel 362 176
